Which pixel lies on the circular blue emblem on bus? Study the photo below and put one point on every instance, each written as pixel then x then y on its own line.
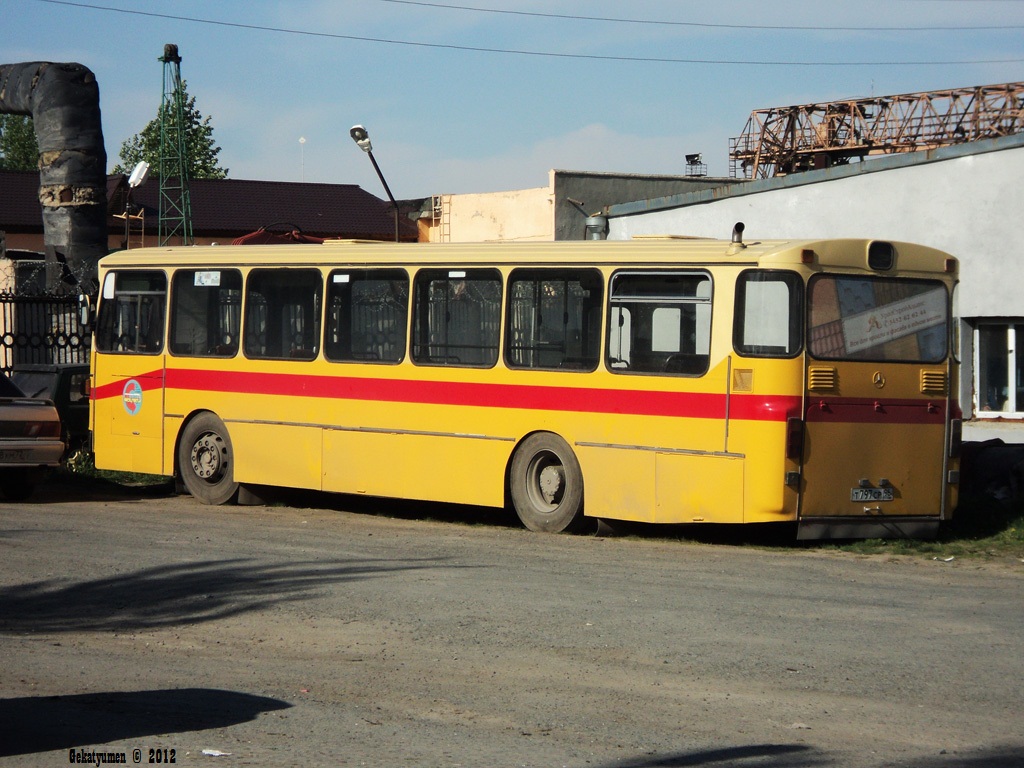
pixel 132 397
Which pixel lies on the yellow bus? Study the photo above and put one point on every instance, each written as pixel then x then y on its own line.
pixel 659 380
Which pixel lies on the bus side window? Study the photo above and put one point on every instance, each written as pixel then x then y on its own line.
pixel 769 314
pixel 131 313
pixel 457 317
pixel 660 323
pixel 206 311
pixel 367 315
pixel 553 319
pixel 282 314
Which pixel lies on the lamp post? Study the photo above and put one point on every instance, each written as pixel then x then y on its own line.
pixel 137 179
pixel 302 158
pixel 362 138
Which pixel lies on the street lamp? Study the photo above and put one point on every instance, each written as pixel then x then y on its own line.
pixel 302 157
pixel 362 138
pixel 137 179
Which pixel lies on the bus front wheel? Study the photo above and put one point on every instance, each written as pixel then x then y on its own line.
pixel 546 484
pixel 206 460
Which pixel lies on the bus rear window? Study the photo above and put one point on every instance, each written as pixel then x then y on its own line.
pixel 878 319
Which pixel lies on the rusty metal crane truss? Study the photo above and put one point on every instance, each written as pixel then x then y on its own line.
pixel 783 140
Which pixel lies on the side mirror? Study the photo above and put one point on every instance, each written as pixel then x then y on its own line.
pixel 85 311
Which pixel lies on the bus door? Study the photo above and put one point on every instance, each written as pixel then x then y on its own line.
pixel 876 408
pixel 129 370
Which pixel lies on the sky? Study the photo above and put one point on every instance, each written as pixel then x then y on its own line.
pixel 489 95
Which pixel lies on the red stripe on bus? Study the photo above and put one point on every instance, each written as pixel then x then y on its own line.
pixel 527 397
pixel 146 382
pixel 520 396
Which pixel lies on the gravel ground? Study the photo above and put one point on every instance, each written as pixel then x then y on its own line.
pixel 355 632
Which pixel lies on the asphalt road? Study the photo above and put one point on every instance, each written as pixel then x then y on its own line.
pixel 345 631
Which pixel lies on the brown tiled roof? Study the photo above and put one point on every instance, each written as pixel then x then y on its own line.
pixel 240 206
pixel 232 207
pixel 19 201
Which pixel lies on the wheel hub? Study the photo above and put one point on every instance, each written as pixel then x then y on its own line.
pixel 551 482
pixel 206 457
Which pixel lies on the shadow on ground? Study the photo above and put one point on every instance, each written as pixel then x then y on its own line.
pixel 45 723
pixel 187 592
pixel 803 756
pixel 62 486
pixel 977 516
pixel 776 755
pixel 766 534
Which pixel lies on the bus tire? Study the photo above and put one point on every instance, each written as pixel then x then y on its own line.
pixel 546 484
pixel 206 460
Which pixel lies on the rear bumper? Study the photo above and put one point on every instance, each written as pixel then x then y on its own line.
pixel 31 453
pixel 868 528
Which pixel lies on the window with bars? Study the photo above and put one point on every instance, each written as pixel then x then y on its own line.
pixel 282 313
pixel 206 312
pixel 457 317
pixel 554 319
pixel 367 315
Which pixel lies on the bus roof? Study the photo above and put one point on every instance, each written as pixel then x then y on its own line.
pixel 675 251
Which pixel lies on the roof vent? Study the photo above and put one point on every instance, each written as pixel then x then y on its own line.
pixel 597 227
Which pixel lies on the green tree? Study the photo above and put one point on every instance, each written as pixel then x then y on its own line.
pixel 200 149
pixel 18 148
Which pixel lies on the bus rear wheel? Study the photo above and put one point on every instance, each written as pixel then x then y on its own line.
pixel 546 484
pixel 206 460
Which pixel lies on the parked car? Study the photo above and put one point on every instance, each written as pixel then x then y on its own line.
pixel 66 385
pixel 30 440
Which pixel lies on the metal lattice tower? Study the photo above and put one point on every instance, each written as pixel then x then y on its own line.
pixel 784 140
pixel 175 208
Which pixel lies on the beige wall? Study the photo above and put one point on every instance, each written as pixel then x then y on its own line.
pixel 522 214
pixel 6 278
pixel 555 212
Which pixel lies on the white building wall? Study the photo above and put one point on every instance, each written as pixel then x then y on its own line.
pixel 968 203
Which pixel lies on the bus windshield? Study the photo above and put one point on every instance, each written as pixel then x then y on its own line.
pixel 878 319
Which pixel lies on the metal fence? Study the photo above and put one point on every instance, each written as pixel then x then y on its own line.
pixel 41 329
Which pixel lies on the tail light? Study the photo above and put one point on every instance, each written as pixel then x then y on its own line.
pixel 39 429
pixel 33 429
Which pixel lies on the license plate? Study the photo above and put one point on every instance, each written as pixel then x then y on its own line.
pixel 871 494
pixel 13 456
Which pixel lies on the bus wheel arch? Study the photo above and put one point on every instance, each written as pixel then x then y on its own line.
pixel 205 459
pixel 545 483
